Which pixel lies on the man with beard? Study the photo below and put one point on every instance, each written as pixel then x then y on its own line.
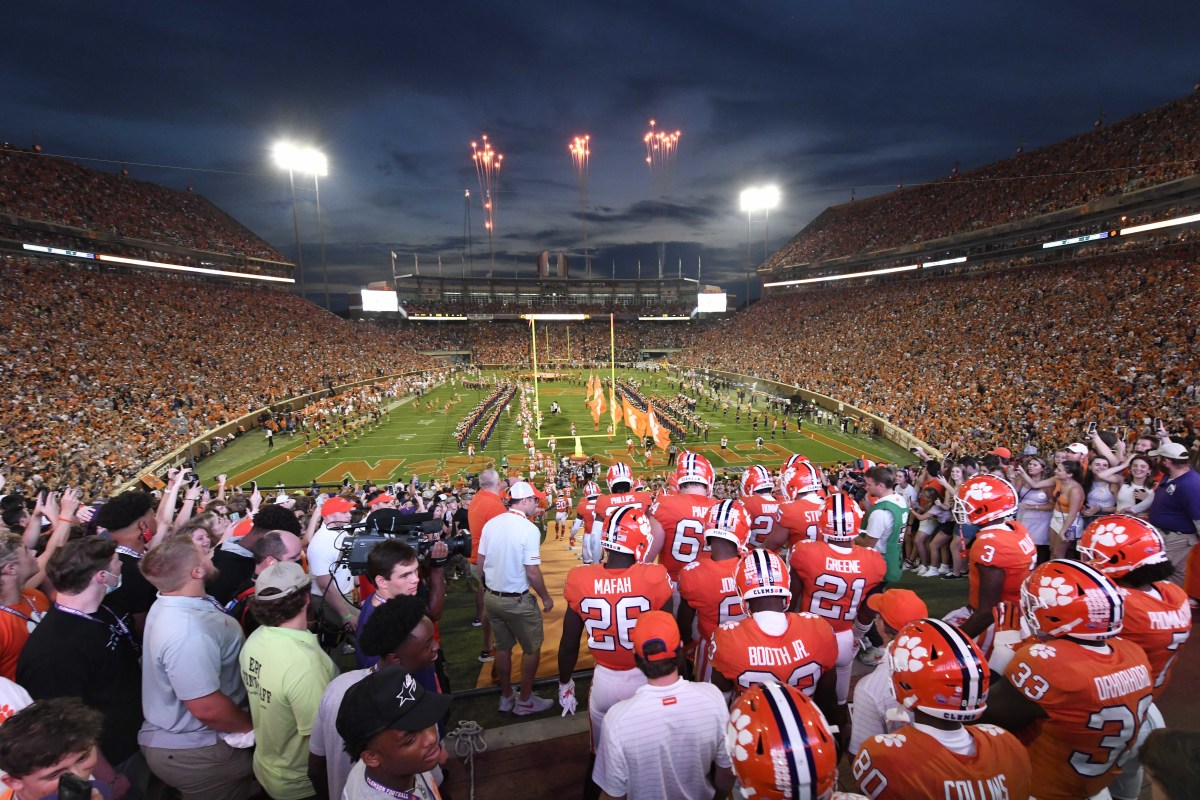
pixel 192 687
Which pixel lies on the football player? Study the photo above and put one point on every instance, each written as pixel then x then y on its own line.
pixel 561 504
pixel 757 495
pixel 832 577
pixel 773 645
pixel 708 595
pixel 940 676
pixel 621 493
pixel 1077 694
pixel 605 600
pixel 1158 616
pixel 678 520
pixel 797 518
pixel 1001 557
pixel 781 747
pixel 585 512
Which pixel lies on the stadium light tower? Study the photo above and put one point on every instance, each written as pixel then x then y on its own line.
pixel 309 161
pixel 756 198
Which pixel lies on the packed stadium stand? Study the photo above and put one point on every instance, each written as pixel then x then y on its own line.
pixel 104 368
pixel 1154 147
pixel 54 190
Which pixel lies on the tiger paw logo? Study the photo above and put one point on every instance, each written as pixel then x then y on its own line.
pixel 909 654
pixel 1110 534
pixel 1042 651
pixel 1055 592
pixel 737 737
pixel 980 490
pixel 891 739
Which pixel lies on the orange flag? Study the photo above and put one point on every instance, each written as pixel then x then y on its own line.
pixel 614 407
pixel 634 418
pixel 662 436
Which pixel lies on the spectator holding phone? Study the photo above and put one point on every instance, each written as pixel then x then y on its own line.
pixel 49 746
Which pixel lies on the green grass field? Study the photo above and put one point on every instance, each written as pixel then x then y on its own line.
pixel 420 440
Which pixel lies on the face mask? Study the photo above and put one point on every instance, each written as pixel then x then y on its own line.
pixel 110 589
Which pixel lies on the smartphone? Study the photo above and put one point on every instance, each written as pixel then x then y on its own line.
pixel 1158 425
pixel 253 487
pixel 1123 433
pixel 73 787
pixel 1091 429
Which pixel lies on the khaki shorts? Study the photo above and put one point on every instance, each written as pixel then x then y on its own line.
pixel 515 620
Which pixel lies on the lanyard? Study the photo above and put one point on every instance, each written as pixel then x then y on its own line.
pixel 129 551
pixel 34 618
pixel 398 793
pixel 118 626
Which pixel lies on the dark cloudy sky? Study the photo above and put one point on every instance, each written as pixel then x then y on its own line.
pixel 815 97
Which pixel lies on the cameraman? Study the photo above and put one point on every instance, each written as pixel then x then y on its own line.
pixel 883 527
pixel 394 569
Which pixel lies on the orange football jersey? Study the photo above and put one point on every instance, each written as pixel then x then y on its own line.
pixel 586 511
pixel 682 517
pixel 833 580
pixel 1009 547
pixel 709 588
pixel 912 763
pixel 745 654
pixel 760 508
pixel 610 601
pixel 560 504
pixel 606 504
pixel 1159 625
pixel 1095 704
pixel 800 519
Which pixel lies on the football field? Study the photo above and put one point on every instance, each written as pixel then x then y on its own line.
pixel 417 438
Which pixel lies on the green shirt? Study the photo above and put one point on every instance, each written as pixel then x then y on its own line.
pixel 285 672
pixel 891 543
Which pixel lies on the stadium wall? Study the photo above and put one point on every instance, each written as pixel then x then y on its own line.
pixel 890 432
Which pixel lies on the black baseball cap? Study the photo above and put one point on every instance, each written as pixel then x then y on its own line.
pixel 389 698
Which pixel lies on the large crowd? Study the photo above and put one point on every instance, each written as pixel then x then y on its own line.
pixel 109 371
pixel 1149 148
pixel 47 189
pixel 1013 356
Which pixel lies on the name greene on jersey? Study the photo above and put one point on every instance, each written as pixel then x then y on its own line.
pixel 843 565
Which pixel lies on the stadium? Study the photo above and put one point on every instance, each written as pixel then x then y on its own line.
pixel 1024 326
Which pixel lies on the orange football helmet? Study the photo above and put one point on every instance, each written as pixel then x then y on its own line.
pixel 1069 598
pixel 938 669
pixel 694 468
pixel 801 478
pixel 728 520
pixel 780 745
pixel 1117 544
pixel 757 479
pixel 628 531
pixel 761 573
pixel 591 489
pixel 840 518
pixel 619 473
pixel 983 499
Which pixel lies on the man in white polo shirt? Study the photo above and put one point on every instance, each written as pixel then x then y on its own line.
pixel 510 559
pixel 663 741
